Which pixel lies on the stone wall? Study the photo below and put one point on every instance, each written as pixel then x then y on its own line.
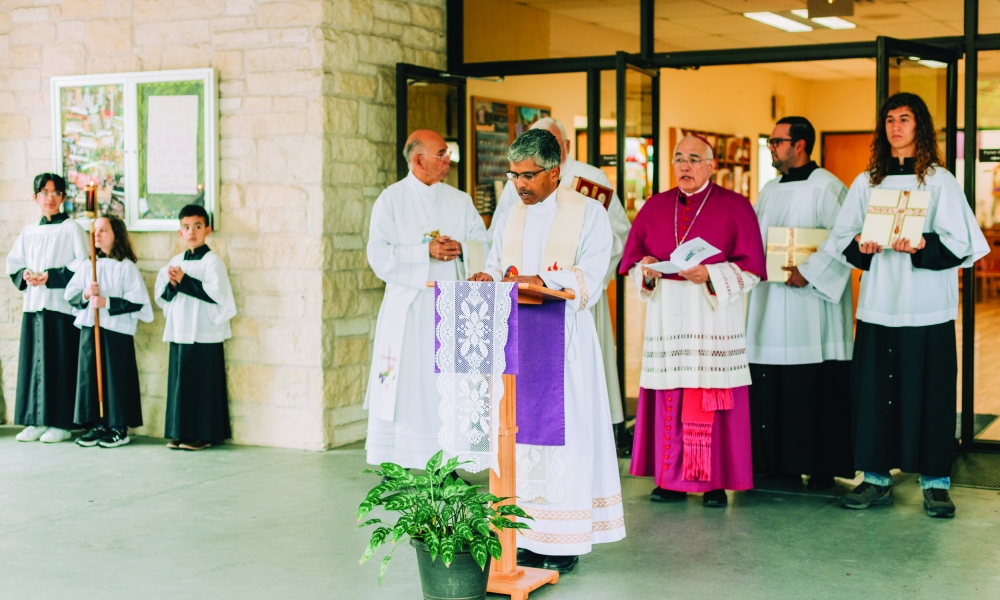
pixel 307 128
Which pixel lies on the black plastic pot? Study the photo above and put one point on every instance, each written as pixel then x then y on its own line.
pixel 463 580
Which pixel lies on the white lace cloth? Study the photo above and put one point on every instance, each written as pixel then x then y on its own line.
pixel 472 335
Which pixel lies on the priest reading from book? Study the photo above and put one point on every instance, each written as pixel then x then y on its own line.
pixel 558 238
pixel 422 229
pixel 907 224
pixel 42 261
pixel 692 431
pixel 800 330
pixel 581 176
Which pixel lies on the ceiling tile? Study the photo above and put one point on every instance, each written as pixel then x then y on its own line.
pixel 940 9
pixel 600 14
pixel 688 9
pixel 742 6
pixel 725 24
pixel 912 30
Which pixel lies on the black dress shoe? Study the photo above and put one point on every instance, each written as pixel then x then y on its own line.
pixel 820 482
pixel 563 564
pixel 715 499
pixel 661 495
pixel 527 558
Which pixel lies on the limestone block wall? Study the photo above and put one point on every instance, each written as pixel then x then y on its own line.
pixel 307 129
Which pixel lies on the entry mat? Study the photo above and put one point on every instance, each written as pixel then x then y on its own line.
pixel 976 470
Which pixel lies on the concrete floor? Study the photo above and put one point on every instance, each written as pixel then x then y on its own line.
pixel 259 523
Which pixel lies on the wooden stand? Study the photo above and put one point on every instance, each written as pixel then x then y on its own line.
pixel 505 576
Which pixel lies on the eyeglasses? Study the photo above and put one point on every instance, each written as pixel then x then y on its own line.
pixel 775 142
pixel 693 161
pixel 48 194
pixel 526 176
pixel 446 155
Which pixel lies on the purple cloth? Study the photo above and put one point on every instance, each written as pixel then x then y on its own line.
pixel 658 447
pixel 541 400
pixel 728 222
pixel 541 394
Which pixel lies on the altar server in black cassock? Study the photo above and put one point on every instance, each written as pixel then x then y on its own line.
pixel 121 295
pixel 197 300
pixel 800 333
pixel 44 257
pixel 905 366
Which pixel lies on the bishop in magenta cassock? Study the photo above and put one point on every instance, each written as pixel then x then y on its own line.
pixel 692 431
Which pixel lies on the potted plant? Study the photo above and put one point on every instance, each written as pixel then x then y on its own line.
pixel 445 518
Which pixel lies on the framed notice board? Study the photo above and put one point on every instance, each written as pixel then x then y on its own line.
pixel 495 125
pixel 148 140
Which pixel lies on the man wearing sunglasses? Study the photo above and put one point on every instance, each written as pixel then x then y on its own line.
pixel 800 331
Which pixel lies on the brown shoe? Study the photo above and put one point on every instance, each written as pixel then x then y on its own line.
pixel 195 445
pixel 174 444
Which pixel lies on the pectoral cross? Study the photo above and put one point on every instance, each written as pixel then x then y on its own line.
pixel 899 212
pixel 791 249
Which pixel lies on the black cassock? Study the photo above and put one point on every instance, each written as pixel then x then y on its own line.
pixel 46 369
pixel 123 406
pixel 799 419
pixel 197 400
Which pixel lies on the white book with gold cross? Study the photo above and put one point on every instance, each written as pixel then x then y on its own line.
pixel 894 215
pixel 790 247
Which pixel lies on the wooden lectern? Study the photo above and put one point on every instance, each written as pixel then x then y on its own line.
pixel 505 576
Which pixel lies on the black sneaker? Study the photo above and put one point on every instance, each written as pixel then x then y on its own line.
pixel 90 439
pixel 867 494
pixel 661 495
pixel 938 504
pixel 527 558
pixel 113 439
pixel 715 499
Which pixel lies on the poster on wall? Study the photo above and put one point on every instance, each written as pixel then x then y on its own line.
pixel 91 145
pixel 496 124
pixel 147 140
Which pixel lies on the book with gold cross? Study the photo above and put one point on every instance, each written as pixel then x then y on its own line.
pixel 894 215
pixel 790 247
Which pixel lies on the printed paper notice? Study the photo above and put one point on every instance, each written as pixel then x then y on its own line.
pixel 172 145
pixel 687 255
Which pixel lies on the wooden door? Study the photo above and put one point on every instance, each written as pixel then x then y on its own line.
pixel 846 155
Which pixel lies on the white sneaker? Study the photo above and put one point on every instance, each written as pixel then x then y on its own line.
pixel 54 435
pixel 31 433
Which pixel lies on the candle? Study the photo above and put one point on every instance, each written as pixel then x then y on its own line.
pixel 91 197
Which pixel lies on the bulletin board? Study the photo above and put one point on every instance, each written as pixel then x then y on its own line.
pixel 496 124
pixel 149 141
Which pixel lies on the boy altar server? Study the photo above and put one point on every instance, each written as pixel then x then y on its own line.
pixel 905 363
pixel 558 238
pixel 44 257
pixel 800 331
pixel 422 229
pixel 194 292
pixel 570 169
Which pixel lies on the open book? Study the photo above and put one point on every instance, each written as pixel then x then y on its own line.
pixel 689 254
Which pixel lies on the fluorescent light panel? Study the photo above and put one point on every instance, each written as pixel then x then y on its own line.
pixel 933 64
pixel 828 22
pixel 782 23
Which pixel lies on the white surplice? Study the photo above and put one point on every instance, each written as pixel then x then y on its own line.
pixel 116 279
pixel 893 292
pixel 42 247
pixel 812 324
pixel 620 226
pixel 402 397
pixel 572 491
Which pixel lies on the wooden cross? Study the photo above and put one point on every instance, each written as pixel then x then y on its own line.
pixel 899 212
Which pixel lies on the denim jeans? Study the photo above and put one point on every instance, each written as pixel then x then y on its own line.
pixel 926 483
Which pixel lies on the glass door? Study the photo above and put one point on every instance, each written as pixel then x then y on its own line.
pixel 637 150
pixel 431 99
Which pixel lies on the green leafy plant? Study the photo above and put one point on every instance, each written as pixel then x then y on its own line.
pixel 439 509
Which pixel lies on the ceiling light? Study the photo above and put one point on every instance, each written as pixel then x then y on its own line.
pixel 828 22
pixel 933 64
pixel 783 23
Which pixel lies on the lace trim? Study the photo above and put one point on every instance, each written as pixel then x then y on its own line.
pixel 555 538
pixel 540 470
pixel 559 515
pixel 608 501
pixel 581 284
pixel 609 525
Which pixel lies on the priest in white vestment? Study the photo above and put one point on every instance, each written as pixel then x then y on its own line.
pixel 569 169
pixel 561 239
pixel 800 332
pixel 421 230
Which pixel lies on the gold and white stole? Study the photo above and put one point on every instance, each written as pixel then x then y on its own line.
pixel 563 240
